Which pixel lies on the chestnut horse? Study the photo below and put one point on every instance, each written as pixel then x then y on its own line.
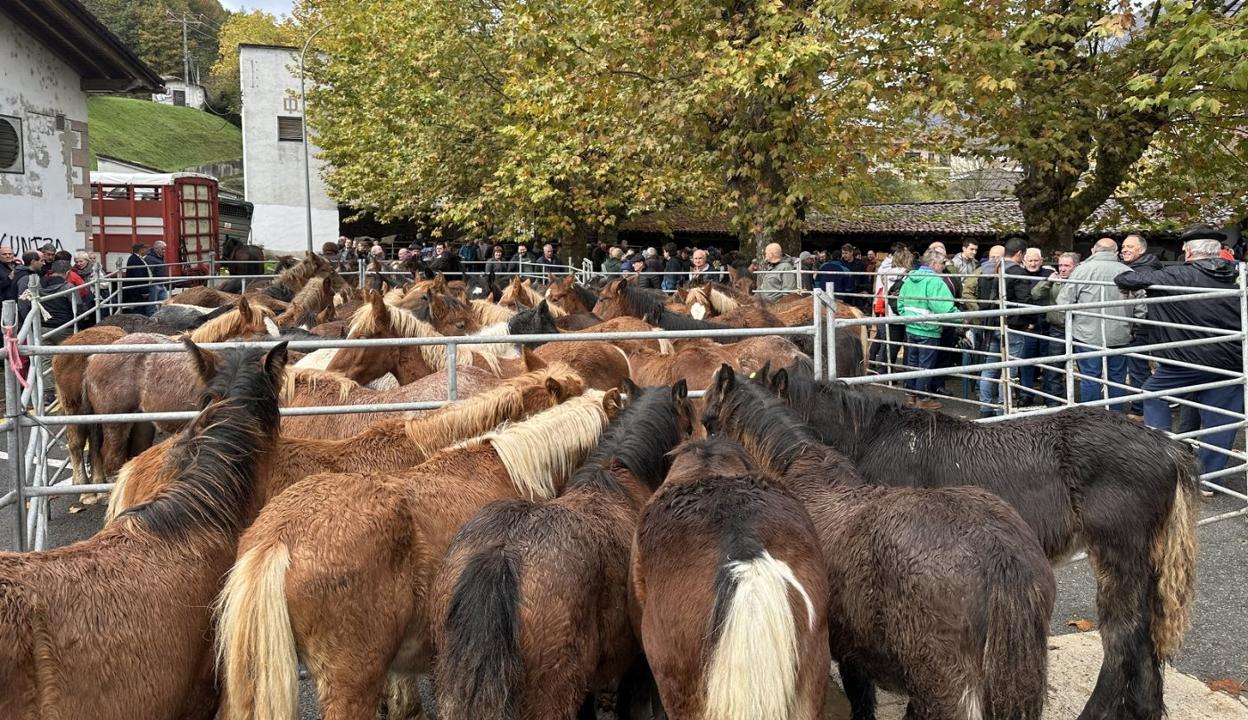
pixel 386 445
pixel 1081 477
pixel 730 584
pixel 117 627
pixel 305 387
pixel 150 382
pixel 67 375
pixel 336 569
pixel 530 610
pixel 943 594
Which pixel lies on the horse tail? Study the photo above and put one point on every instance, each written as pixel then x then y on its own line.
pixel 1015 659
pixel 754 665
pixel 479 666
pixel 256 653
pixel 1174 561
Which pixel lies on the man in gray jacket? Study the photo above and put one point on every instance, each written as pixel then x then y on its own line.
pixel 779 274
pixel 1092 282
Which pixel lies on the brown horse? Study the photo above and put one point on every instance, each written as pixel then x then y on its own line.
pixel 121 621
pixel 628 323
pixel 730 584
pixel 336 569
pixel 530 610
pixel 943 594
pixel 386 445
pixel 305 387
pixel 67 374
pixel 570 296
pixel 151 382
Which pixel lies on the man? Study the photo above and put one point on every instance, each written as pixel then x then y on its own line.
pixel 133 291
pixel 614 264
pixel 700 269
pixel 8 287
pixel 447 263
pixel 521 261
pixel 1135 255
pixel 924 293
pixel 60 309
pixel 806 261
pixel 1045 293
pixel 860 281
pixel 1025 344
pixel 468 254
pixel 48 254
pixel 31 267
pixel 987 294
pixel 600 253
pixel 779 276
pixel 835 273
pixel 1088 285
pixel 970 285
pixel 965 263
pixel 1202 268
pixel 652 270
pixel 155 260
pixel 548 263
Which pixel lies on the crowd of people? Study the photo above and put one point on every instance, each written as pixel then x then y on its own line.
pixel 55 270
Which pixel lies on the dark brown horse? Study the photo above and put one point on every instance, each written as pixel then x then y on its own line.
pixel 731 587
pixel 118 626
pixel 530 610
pixel 1079 478
pixel 943 594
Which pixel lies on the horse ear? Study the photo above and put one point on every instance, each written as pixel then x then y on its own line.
pixel 532 361
pixel 244 308
pixel 378 302
pixel 631 388
pixel 206 361
pixel 618 285
pixel 763 373
pixel 612 402
pixel 780 383
pixel 680 390
pixel 275 362
pixel 725 379
pixel 271 327
pixel 543 308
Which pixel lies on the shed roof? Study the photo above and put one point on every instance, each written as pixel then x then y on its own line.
pixel 76 36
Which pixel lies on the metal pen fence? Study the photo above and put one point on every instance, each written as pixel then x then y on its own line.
pixel 33 432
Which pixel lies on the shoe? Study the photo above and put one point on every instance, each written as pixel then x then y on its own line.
pixel 1135 418
pixel 1206 493
pixel 928 404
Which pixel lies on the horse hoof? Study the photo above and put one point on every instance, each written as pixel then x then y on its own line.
pixel 88 499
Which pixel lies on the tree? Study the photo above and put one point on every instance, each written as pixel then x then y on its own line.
pixel 255 27
pixel 1089 98
pixel 154 31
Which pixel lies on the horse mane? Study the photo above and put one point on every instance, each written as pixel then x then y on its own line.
pixel 214 461
pixel 853 411
pixel 230 324
pixel 716 456
pixel 722 301
pixel 490 314
pixel 430 432
pixel 314 295
pixel 311 378
pixel 638 439
pixel 770 430
pixel 668 320
pixel 541 452
pixel 587 297
pixel 405 324
pixel 296 276
pixel 640 302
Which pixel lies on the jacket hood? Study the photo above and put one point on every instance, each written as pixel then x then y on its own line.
pixel 1217 268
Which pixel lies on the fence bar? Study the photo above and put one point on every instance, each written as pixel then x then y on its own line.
pixel 452 372
pixel 12 410
pixel 816 300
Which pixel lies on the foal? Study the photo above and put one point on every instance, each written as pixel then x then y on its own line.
pixel 336 570
pixel 943 594
pixel 729 579
pixel 117 626
pixel 530 611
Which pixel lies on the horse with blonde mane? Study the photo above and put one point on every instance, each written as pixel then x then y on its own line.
pixel 336 570
pixel 117 626
pixel 387 445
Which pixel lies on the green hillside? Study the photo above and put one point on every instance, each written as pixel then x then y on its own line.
pixel 161 136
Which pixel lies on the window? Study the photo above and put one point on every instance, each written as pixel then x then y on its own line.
pixel 11 160
pixel 179 98
pixel 289 129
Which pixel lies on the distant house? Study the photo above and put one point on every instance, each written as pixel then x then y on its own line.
pixel 273 154
pixel 55 54
pixel 180 93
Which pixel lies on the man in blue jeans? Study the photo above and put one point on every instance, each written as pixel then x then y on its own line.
pixel 1089 284
pixel 1203 268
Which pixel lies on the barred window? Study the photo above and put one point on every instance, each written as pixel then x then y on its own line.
pixel 289 129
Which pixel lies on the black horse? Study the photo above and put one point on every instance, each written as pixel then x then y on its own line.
pixel 1079 478
pixel 239 258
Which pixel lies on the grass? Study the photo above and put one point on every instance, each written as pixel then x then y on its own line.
pixel 161 136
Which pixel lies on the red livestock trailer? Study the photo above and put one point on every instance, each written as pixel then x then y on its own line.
pixel 179 208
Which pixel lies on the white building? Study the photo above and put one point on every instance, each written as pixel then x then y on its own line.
pixel 55 53
pixel 180 93
pixel 273 158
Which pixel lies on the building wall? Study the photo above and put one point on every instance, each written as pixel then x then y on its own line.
pixel 49 199
pixel 194 94
pixel 273 169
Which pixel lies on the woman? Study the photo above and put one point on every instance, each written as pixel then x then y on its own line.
pixel 924 293
pixel 672 268
pixel 892 270
pixel 614 262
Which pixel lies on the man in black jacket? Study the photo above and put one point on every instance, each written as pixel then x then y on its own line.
pixel 31 267
pixel 137 292
pixel 8 265
pixel 1202 269
pixel 1135 255
pixel 60 309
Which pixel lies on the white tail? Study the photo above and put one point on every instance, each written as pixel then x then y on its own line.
pixel 255 644
pixel 753 670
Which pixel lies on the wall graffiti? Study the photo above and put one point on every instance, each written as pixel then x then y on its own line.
pixel 22 243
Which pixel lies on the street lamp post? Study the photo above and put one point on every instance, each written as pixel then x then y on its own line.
pixel 303 108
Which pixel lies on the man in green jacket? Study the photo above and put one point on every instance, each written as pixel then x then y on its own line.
pixel 924 292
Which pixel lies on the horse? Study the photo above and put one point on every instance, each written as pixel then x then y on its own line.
pixel 386 445
pixel 941 593
pixel 150 382
pixel 571 297
pixel 121 620
pixel 167 320
pixel 620 297
pixel 729 582
pixel 240 258
pixel 306 387
pixel 336 569
pixel 67 375
pixel 628 323
pixel 603 365
pixel 520 294
pixel 1079 478
pixel 530 609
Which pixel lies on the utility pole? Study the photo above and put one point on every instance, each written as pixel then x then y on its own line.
pixel 185 21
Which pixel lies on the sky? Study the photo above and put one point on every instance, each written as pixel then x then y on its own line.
pixel 276 7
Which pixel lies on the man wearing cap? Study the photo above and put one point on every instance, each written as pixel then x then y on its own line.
pixel 133 291
pixel 155 259
pixel 1180 325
